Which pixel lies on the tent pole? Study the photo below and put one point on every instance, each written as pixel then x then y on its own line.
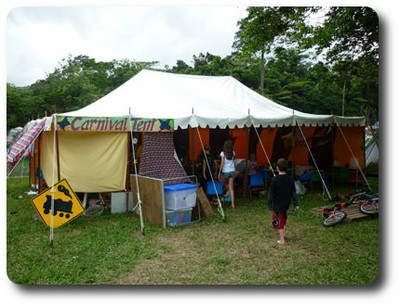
pixel 364 157
pixel 40 164
pixel 127 171
pixel 315 163
pixel 57 151
pixel 220 209
pixel 139 201
pixel 263 148
pixel 37 166
pixel 55 160
pixel 293 149
pixel 191 131
pixel 333 154
pixel 246 171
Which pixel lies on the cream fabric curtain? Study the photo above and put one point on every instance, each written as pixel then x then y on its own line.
pixel 89 161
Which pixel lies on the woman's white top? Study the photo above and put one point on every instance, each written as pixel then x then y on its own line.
pixel 229 165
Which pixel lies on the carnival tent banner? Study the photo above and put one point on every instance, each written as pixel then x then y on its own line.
pixel 113 124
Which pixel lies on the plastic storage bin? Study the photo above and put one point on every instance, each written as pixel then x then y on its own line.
pixel 178 217
pixel 180 196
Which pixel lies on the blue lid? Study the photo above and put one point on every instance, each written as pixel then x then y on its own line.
pixel 177 187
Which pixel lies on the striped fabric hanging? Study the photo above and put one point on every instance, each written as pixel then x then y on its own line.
pixel 21 145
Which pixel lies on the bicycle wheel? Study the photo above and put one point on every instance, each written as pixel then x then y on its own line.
pixel 336 218
pixel 370 207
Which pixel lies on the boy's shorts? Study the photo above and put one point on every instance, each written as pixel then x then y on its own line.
pixel 279 220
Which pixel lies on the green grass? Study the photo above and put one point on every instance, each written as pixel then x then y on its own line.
pixel 110 249
pixel 22 169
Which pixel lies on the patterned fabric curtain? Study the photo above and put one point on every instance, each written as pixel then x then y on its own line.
pixel 157 159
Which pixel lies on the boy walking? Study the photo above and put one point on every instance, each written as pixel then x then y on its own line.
pixel 281 193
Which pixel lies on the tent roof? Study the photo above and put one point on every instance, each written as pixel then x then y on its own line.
pixel 199 101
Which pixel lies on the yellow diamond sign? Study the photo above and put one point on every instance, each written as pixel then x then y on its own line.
pixel 66 206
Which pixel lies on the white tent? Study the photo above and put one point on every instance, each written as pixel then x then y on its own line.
pixel 97 162
pixel 200 101
pixel 371 145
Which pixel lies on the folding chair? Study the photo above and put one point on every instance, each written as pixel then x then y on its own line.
pixel 210 191
pixel 256 183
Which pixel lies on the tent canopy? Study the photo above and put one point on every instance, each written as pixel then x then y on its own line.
pixel 98 162
pixel 203 101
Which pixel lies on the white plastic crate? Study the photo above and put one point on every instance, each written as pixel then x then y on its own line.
pixel 118 202
pixel 180 196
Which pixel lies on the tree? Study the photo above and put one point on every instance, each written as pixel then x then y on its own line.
pixel 181 67
pixel 350 38
pixel 81 80
pixel 22 106
pixel 261 29
pixel 349 33
pixel 295 81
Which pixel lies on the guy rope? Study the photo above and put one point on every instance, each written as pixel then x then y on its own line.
pixel 138 206
pixel 220 209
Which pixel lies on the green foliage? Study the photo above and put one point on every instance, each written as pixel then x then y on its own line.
pixel 349 33
pixel 263 25
pixel 22 106
pixel 77 82
pixel 349 37
pixel 276 45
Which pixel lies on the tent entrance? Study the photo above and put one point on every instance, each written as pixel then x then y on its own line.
pixel 325 144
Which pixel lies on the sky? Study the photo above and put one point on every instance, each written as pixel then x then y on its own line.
pixel 38 38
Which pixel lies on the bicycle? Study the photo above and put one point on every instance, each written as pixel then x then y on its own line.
pixel 334 215
pixel 367 203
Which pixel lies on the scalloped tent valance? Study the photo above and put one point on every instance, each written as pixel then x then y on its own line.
pixel 193 100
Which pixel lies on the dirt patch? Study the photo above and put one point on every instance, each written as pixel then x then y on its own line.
pixel 176 253
pixel 211 255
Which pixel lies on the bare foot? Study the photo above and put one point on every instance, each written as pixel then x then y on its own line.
pixel 280 242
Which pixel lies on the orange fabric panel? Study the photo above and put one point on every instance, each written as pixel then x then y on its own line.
pixel 355 139
pixel 195 148
pixel 300 151
pixel 267 137
pixel 241 142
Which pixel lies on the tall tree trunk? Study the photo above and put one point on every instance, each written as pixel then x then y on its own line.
pixel 343 96
pixel 262 72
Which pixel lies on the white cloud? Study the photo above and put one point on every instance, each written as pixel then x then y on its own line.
pixel 38 38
